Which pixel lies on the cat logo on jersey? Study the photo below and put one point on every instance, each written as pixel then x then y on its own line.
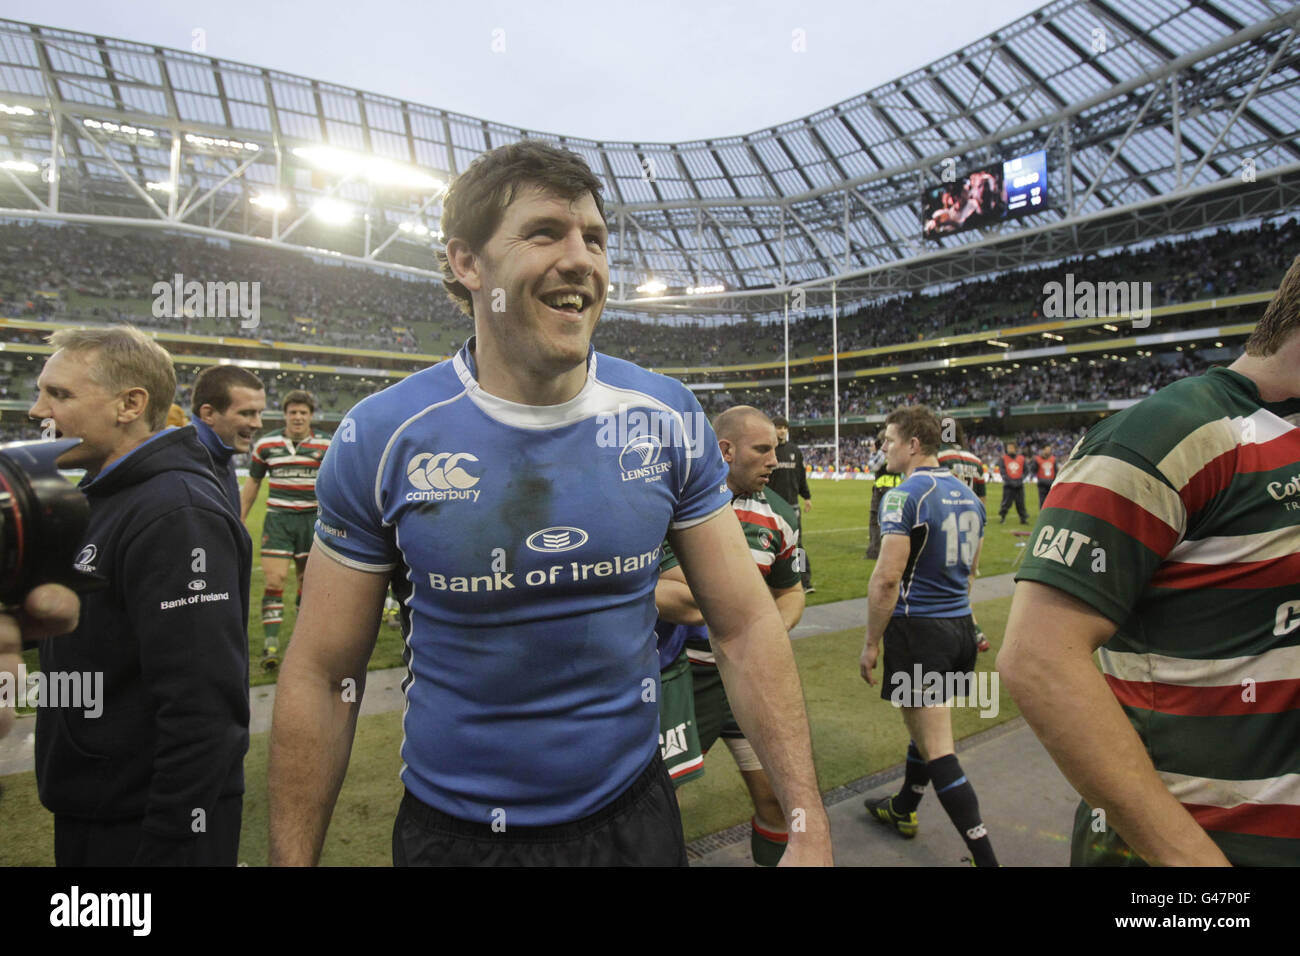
pixel 1059 546
pixel 673 742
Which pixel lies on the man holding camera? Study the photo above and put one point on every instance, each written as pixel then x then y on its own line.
pixel 156 776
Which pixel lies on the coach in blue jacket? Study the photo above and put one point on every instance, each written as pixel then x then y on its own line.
pixel 145 764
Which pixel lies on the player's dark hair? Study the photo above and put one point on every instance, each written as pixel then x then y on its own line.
pixel 780 422
pixel 213 386
pixel 298 397
pixel 1281 318
pixel 917 421
pixel 477 200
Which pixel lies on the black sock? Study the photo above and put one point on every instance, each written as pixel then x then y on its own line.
pixel 914 783
pixel 963 808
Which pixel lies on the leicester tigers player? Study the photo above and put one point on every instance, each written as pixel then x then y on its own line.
pixel 292 457
pixel 748 440
pixel 1169 542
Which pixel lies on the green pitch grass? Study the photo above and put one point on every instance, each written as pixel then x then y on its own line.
pixel 854 732
pixel 835 534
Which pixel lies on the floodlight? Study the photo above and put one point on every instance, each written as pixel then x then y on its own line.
pixel 19 166
pixel 16 110
pixel 332 211
pixel 653 287
pixel 704 289
pixel 161 187
pixel 382 172
pixel 273 201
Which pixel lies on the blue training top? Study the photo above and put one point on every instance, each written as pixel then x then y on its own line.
pixel 526 541
pixel 944 521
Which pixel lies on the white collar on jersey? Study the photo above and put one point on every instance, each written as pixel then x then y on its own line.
pixel 586 404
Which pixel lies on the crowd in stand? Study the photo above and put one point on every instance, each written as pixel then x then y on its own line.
pixel 343 305
pixel 334 304
pixel 41 265
pixel 1065 382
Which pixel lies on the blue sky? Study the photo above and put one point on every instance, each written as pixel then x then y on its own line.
pixel 651 72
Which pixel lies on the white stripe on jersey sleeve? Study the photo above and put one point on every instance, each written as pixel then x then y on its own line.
pixel 1280 663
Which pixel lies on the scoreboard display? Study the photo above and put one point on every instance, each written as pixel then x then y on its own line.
pixel 988 195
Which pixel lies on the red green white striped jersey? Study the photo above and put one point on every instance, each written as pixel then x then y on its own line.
pixel 768 522
pixel 292 467
pixel 1179 519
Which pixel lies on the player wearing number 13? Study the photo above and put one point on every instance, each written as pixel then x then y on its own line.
pixel 932 529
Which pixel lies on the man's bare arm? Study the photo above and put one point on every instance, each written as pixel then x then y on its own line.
pixel 790 603
pixel 757 666
pixel 673 599
pixel 247 495
pixel 882 597
pixel 1046 661
pixel 315 720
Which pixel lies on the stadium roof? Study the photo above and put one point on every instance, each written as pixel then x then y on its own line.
pixel 1157 117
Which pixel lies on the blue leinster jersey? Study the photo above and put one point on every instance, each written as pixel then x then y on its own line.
pixel 944 521
pixel 526 542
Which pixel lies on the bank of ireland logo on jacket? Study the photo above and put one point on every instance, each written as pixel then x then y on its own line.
pixel 442 476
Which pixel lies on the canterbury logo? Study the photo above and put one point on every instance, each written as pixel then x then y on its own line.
pixel 440 472
pixel 977 831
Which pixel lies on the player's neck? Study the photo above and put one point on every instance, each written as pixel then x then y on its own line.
pixel 520 384
pixel 921 461
pixel 1275 375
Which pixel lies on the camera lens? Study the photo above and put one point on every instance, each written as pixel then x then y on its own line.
pixel 43 519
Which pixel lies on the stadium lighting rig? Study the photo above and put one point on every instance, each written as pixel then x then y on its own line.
pixel 221 144
pixel 705 289
pixel 121 129
pixel 19 166
pixel 332 211
pixel 381 172
pixel 160 187
pixel 272 201
pixel 653 287
pixel 8 110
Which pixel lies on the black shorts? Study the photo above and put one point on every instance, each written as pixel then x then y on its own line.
pixel 81 842
pixel 918 647
pixel 641 827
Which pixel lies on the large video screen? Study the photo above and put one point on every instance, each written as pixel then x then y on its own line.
pixel 1024 183
pixel 985 196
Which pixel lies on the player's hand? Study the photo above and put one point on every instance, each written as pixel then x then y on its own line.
pixel 47 611
pixel 807 506
pixel 867 662
pixel 805 849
